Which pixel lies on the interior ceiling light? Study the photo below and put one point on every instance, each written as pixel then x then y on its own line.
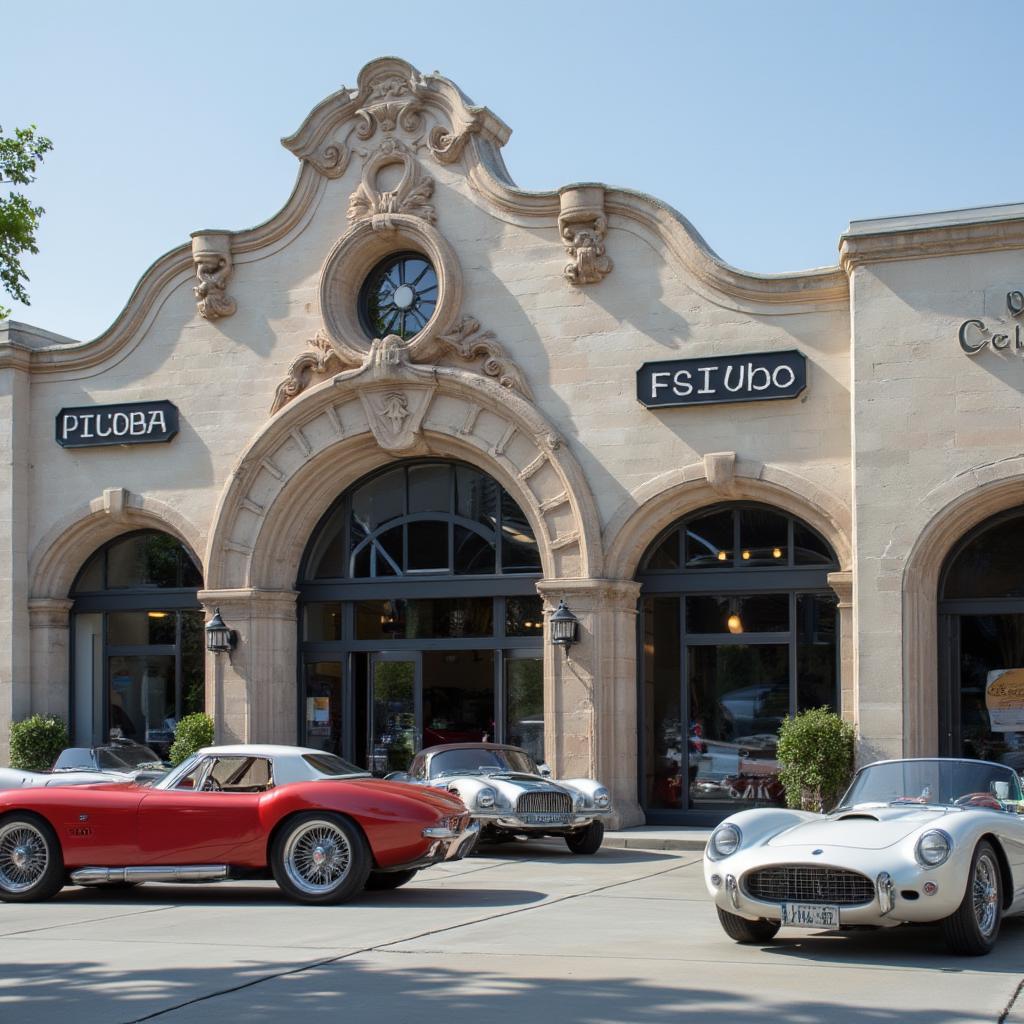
pixel 735 623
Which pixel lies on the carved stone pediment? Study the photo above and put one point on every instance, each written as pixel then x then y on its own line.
pixel 409 196
pixel 393 97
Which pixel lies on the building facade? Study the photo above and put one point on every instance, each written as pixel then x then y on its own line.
pixel 386 432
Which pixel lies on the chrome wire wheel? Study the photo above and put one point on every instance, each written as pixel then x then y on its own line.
pixel 317 857
pixel 24 856
pixel 985 894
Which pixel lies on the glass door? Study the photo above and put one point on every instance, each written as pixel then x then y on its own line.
pixel 524 702
pixel 395 728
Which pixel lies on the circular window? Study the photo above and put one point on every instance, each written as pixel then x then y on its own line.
pixel 399 296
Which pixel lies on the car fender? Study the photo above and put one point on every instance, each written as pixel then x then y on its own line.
pixel 759 824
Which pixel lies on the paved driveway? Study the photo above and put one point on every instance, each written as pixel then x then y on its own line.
pixel 529 934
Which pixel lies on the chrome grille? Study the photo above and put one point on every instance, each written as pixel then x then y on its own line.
pixel 798 883
pixel 544 803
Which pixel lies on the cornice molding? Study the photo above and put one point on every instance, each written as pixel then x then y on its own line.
pixel 861 247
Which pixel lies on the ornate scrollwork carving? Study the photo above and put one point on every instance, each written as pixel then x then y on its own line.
pixel 211 253
pixel 469 344
pixel 322 360
pixel 582 224
pixel 411 195
pixel 447 145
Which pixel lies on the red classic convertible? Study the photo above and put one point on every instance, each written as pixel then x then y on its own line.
pixel 319 826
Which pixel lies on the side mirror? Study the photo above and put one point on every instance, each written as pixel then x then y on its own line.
pixel 544 770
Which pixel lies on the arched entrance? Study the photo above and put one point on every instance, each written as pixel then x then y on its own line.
pixel 738 628
pixel 981 643
pixel 420 619
pixel 136 640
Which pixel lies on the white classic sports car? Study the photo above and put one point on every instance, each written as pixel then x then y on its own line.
pixel 914 841
pixel 505 791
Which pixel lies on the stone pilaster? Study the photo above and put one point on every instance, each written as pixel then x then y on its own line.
pixel 251 691
pixel 49 621
pixel 842 584
pixel 590 690
pixel 15 694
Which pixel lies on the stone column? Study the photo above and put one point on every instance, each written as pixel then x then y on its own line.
pixel 590 720
pixel 842 584
pixel 49 621
pixel 15 692
pixel 251 692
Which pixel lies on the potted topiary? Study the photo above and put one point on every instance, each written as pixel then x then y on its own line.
pixel 815 754
pixel 36 742
pixel 191 734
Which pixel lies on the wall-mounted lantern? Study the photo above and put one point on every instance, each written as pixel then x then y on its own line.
pixel 564 627
pixel 218 636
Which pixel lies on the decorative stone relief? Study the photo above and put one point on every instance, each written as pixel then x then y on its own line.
pixel 409 196
pixel 392 96
pixel 582 224
pixel 321 361
pixel 470 345
pixel 395 395
pixel 211 253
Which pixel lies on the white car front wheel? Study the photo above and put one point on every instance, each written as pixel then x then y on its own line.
pixel 973 928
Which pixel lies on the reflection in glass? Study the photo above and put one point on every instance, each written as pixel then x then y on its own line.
pixel 667 749
pixel 816 647
pixel 524 705
pixel 764 537
pixel 323 706
pixel 425 619
pixel 142 699
pixel 392 716
pixel 665 555
pixel 991 565
pixel 323 620
pixel 524 616
pixel 141 628
pixel 808 547
pixel 751 613
pixel 709 541
pixel 193 662
pixel 458 697
pixel 989 646
pixel 139 560
pixel 739 695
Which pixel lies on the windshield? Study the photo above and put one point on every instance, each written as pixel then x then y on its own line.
pixel 480 761
pixel 127 757
pixel 939 782
pixel 331 764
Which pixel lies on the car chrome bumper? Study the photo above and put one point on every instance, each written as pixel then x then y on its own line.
pixel 450 844
pixel 519 823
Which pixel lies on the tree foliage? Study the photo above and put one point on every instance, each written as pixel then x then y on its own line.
pixel 20 154
pixel 815 755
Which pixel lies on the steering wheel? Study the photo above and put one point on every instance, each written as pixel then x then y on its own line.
pixel 978 800
pixel 211 785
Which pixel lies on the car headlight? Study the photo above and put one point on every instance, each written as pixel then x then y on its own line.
pixel 485 798
pixel 933 848
pixel 724 842
pixel 601 799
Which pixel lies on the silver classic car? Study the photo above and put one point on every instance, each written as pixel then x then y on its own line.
pixel 918 841
pixel 118 761
pixel 504 789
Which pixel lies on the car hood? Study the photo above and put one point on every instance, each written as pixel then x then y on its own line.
pixel 439 799
pixel 514 784
pixel 867 829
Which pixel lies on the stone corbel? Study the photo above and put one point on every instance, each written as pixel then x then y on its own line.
pixel 582 224
pixel 720 470
pixel 211 253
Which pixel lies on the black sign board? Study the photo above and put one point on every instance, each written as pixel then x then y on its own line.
pixel 714 379
pixel 88 426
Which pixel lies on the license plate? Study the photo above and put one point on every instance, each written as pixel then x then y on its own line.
pixel 810 915
pixel 545 819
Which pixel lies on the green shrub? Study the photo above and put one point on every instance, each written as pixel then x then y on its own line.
pixel 190 734
pixel 36 742
pixel 815 755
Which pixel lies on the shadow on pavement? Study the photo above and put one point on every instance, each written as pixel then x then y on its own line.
pixel 551 852
pixel 239 895
pixel 354 989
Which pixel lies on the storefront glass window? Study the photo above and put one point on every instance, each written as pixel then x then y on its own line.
pixel 138 641
pixel 742 636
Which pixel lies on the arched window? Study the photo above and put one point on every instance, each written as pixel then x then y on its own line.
pixel 137 637
pixel 737 630
pixel 981 635
pixel 420 618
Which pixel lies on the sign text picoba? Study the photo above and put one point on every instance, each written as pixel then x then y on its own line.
pixel 89 426
pixel 974 336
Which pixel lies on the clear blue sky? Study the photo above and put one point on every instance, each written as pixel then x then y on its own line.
pixel 770 125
